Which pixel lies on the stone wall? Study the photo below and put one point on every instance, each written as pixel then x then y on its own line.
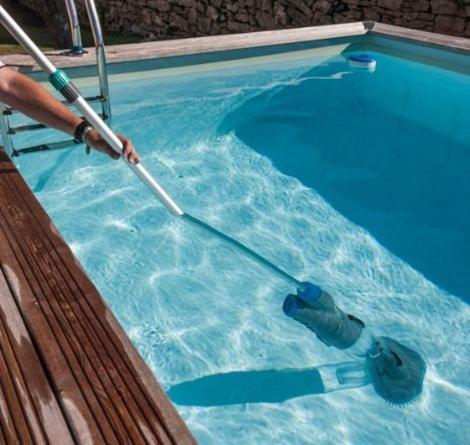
pixel 53 14
pixel 165 19
pixel 182 18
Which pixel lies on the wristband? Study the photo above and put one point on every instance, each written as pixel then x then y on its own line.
pixel 86 132
pixel 83 128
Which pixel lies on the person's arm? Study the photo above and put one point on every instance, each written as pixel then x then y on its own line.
pixel 31 99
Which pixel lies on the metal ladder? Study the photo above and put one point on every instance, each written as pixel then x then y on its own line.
pixel 6 112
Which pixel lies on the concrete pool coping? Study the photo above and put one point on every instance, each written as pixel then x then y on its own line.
pixel 211 44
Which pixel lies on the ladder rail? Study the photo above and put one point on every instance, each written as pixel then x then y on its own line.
pixel 5 130
pixel 30 127
pixel 100 56
pixel 90 99
pixel 50 146
pixel 77 45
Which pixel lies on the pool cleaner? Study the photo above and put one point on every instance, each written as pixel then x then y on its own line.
pixel 396 371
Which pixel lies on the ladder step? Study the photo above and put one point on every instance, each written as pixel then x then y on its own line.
pixel 32 127
pixel 92 99
pixel 44 147
pixel 21 128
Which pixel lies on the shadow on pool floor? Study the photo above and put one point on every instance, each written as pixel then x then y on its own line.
pixel 265 386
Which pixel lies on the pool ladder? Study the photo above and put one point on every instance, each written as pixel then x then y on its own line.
pixel 6 112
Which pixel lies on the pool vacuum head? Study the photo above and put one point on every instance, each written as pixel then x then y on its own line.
pixel 396 372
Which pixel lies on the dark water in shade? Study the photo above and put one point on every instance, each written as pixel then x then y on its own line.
pixel 389 150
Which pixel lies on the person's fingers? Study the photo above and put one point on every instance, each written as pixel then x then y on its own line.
pixel 134 157
pixel 127 148
pixel 129 151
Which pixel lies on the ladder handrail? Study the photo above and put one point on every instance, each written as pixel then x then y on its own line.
pixel 100 55
pixel 77 45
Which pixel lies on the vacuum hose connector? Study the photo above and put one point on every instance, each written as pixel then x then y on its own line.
pixel 396 372
pixel 316 309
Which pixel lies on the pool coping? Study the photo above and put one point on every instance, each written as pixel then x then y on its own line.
pixel 227 42
pixel 444 41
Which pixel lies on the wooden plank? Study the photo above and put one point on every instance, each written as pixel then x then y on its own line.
pixel 43 411
pixel 8 360
pixel 48 325
pixel 117 395
pixel 59 300
pixel 92 332
pixel 75 400
pixel 17 415
pixel 11 409
pixel 6 421
pixel 3 439
pixel 116 357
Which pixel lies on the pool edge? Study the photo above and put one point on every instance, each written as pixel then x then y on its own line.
pixel 209 44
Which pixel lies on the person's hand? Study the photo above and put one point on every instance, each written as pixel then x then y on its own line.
pixel 95 141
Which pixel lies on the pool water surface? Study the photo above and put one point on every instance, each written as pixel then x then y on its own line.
pixel 355 180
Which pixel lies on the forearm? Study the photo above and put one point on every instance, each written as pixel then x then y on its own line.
pixel 31 99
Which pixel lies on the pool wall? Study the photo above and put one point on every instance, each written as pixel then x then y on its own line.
pixel 161 54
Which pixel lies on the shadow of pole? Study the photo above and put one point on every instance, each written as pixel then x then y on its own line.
pixel 49 173
pixel 268 386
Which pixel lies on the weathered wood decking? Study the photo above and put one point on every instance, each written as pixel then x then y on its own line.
pixel 68 372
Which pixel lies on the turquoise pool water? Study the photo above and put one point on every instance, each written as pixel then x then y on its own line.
pixel 357 181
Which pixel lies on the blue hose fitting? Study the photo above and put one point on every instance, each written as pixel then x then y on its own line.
pixel 309 293
pixel 317 311
pixel 290 306
pixel 59 79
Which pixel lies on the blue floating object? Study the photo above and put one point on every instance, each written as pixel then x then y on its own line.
pixel 363 61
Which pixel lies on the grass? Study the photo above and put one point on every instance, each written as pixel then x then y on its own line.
pixel 41 37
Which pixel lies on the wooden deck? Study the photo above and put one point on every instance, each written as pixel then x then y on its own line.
pixel 68 372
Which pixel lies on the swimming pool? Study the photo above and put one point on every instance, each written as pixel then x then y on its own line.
pixel 339 176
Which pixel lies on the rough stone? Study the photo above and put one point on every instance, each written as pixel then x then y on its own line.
pixel 420 5
pixel 166 19
pixel 444 6
pixel 390 4
pixel 448 23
